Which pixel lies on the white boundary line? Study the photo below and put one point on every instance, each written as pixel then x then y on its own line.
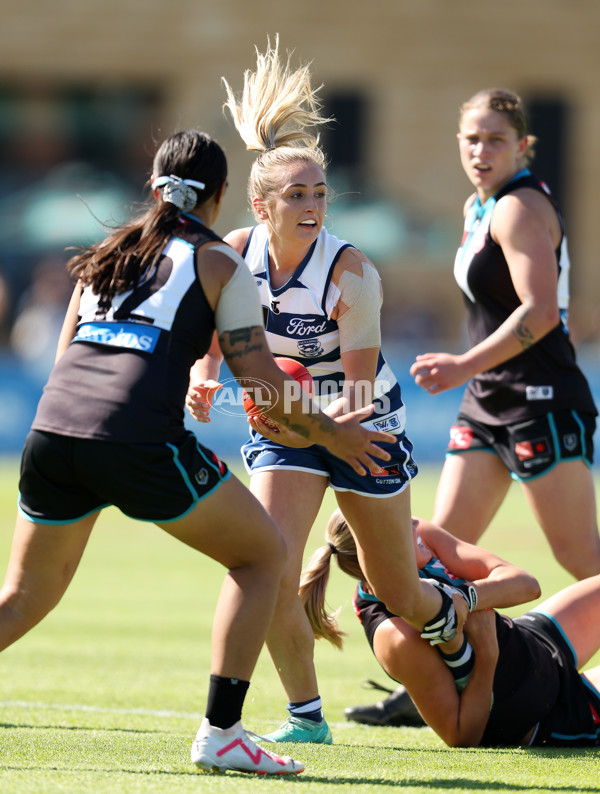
pixel 180 715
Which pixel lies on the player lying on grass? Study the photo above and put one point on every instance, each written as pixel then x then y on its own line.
pixel 499 682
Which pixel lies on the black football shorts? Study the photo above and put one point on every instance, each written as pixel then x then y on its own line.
pixel 529 449
pixel 64 479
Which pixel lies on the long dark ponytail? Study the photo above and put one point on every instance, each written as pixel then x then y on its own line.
pixel 117 263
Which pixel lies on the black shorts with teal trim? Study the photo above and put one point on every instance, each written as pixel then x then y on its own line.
pixel 574 720
pixel 260 454
pixel 370 611
pixel 529 449
pixel 64 479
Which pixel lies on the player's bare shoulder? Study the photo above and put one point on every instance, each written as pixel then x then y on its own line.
pixel 526 208
pixel 238 238
pixel 351 260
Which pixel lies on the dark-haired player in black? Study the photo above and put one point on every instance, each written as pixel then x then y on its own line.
pixel 109 430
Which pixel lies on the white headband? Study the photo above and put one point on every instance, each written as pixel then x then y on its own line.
pixel 179 191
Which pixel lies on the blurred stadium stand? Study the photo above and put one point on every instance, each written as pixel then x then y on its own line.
pixel 87 89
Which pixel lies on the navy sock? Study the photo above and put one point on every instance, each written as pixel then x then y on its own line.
pixel 307 709
pixel 225 700
pixel 460 663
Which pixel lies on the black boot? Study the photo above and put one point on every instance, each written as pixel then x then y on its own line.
pixel 396 710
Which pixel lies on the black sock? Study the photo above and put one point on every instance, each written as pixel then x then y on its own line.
pixel 225 700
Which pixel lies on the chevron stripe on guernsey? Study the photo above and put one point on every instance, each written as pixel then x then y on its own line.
pixel 298 324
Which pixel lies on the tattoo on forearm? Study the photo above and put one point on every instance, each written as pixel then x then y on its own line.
pixel 238 343
pixel 239 335
pixel 322 422
pixel 522 332
pixel 242 351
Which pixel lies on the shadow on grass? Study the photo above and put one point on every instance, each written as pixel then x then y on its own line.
pixel 27 727
pixel 167 773
pixel 462 784
pixel 539 752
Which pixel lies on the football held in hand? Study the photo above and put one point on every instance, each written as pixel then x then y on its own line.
pixel 293 368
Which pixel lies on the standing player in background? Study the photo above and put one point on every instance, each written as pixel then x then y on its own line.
pixel 109 430
pixel 527 411
pixel 321 301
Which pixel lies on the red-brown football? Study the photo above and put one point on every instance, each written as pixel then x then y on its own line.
pixel 297 370
pixel 293 368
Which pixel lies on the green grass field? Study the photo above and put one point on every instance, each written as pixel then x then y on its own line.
pixel 107 693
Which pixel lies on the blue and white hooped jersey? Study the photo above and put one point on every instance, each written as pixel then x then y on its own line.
pixel 298 324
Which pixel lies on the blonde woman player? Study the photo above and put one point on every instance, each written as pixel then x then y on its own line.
pixel 321 300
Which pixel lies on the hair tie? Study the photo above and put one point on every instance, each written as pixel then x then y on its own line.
pixel 178 191
pixel 332 548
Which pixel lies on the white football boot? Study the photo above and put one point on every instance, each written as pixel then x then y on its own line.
pixel 218 750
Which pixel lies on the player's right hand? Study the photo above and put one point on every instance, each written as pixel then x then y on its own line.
pixel 199 397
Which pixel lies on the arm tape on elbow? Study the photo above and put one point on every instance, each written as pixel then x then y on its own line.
pixel 359 325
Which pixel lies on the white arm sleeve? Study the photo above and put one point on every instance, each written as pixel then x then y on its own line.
pixel 239 304
pixel 359 326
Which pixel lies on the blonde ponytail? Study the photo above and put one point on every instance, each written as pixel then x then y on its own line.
pixel 277 105
pixel 314 578
pixel 276 116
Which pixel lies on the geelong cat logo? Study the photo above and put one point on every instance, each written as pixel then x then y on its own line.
pixel 308 348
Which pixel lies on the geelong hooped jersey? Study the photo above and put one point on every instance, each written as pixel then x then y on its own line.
pixel 543 378
pixel 298 324
pixel 126 372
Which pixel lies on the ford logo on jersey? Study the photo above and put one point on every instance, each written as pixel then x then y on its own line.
pixel 132 336
pixel 304 326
